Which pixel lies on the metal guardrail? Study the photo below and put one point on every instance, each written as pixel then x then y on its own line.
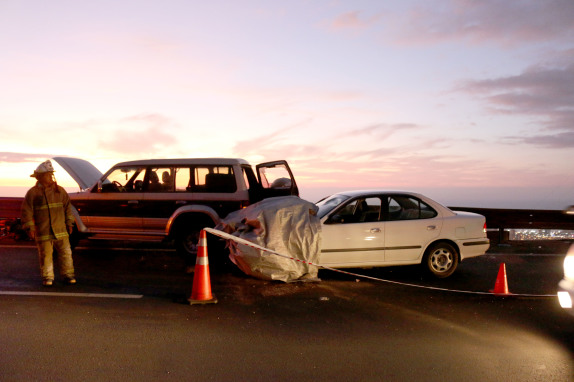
pixel 500 221
pixel 10 207
pixel 495 217
pixel 523 219
pixel 10 211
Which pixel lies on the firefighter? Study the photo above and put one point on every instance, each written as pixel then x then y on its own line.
pixel 47 218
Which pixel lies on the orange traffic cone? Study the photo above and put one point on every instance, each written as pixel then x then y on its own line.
pixel 501 285
pixel 201 291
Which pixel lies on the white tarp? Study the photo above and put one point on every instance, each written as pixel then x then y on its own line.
pixel 287 225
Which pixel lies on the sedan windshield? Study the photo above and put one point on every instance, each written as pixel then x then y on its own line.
pixel 328 204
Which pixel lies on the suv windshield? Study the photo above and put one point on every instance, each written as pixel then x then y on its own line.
pixel 124 179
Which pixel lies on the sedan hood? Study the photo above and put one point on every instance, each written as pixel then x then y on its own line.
pixel 82 171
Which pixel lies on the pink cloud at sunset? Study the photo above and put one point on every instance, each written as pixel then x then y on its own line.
pixel 469 101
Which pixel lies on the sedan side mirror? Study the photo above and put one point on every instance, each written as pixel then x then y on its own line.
pixel 335 219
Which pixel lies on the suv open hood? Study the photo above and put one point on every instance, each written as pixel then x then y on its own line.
pixel 82 171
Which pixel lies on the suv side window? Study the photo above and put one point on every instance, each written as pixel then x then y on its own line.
pixel 182 179
pixel 249 178
pixel 160 179
pixel 276 177
pixel 213 179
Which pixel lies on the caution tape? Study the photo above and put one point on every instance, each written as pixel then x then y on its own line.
pixel 239 240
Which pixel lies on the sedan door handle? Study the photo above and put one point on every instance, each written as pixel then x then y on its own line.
pixel 375 230
pixel 431 227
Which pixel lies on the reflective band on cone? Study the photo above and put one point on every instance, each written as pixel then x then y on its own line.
pixel 201 291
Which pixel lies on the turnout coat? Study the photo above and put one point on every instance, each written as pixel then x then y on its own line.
pixel 48 212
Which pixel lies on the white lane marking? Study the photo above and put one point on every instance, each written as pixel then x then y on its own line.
pixel 62 294
pixel 28 246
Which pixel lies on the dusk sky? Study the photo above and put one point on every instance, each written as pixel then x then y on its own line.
pixel 470 102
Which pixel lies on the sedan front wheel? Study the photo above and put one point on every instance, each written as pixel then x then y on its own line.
pixel 441 260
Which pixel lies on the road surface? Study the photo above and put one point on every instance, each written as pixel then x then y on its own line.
pixel 128 320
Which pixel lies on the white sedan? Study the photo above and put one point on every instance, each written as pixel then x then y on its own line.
pixel 363 229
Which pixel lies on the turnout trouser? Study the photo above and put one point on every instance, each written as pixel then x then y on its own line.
pixel 46 251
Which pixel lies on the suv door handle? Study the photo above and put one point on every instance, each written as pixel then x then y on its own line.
pixel 375 230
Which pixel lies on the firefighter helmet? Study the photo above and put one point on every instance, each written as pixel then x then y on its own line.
pixel 42 168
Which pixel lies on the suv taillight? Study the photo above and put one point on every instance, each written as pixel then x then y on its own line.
pixel 484 228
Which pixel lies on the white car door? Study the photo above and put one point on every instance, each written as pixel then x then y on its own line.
pixel 353 236
pixel 411 225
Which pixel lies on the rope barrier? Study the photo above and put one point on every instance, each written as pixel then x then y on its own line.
pixel 239 240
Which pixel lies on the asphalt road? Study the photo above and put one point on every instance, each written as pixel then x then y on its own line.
pixel 127 319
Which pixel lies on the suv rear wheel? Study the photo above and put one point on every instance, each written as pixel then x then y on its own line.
pixel 186 241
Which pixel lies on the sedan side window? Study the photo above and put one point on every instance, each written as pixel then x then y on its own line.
pixel 371 210
pixel 408 208
pixel 359 211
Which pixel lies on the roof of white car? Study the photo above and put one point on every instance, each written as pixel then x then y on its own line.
pixel 184 161
pixel 353 193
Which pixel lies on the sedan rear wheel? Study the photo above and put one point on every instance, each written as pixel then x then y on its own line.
pixel 441 260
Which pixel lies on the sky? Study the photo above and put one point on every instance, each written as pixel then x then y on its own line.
pixel 470 102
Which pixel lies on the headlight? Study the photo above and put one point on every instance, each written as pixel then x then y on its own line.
pixel 569 264
pixel 569 267
pixel 565 300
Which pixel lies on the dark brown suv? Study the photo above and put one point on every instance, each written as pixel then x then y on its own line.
pixel 168 199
